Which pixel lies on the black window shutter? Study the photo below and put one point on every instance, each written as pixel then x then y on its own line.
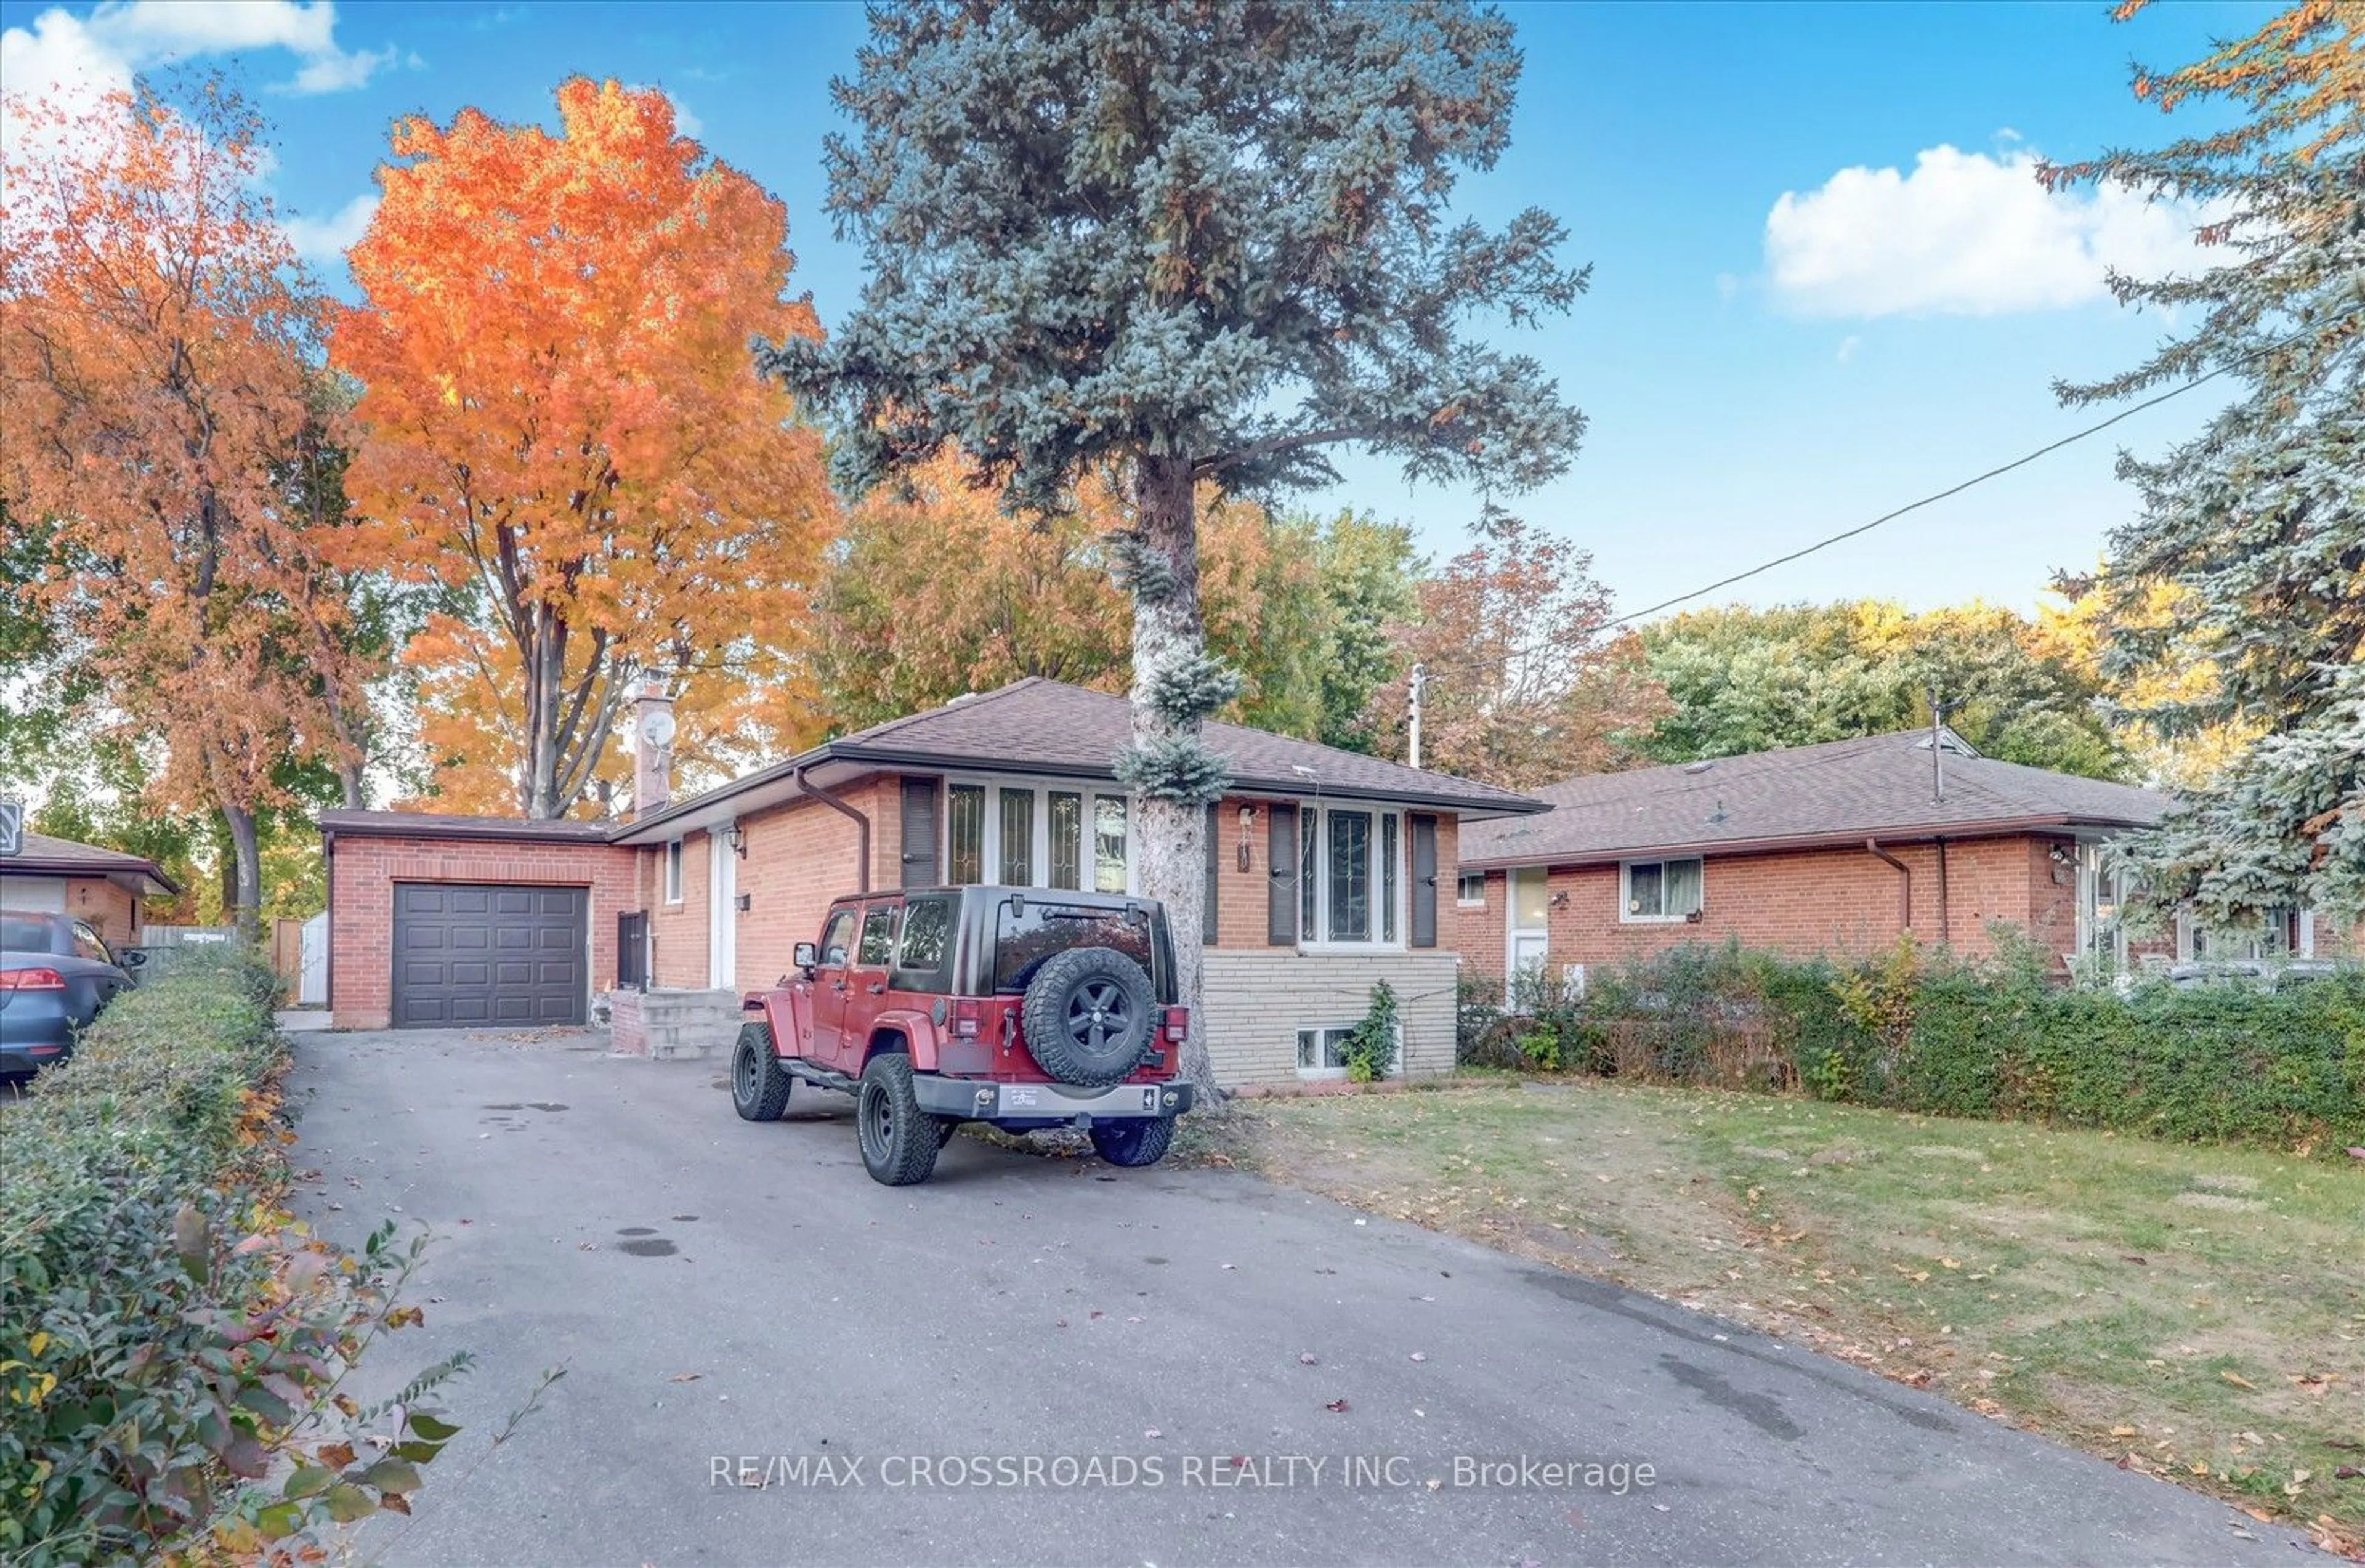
pixel 1281 885
pixel 1207 916
pixel 1424 881
pixel 919 832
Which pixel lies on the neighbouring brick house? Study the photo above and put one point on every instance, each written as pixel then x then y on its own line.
pixel 107 888
pixel 1817 849
pixel 1323 874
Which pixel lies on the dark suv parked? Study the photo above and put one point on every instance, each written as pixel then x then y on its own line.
pixel 1020 1007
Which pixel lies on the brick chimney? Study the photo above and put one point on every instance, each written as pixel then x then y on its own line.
pixel 652 748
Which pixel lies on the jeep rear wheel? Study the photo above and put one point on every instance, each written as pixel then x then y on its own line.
pixel 759 1085
pixel 1141 1142
pixel 899 1140
pixel 1088 1014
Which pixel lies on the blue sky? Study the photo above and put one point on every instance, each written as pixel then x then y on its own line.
pixel 1823 283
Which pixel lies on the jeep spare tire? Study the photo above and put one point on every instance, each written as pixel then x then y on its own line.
pixel 1088 1014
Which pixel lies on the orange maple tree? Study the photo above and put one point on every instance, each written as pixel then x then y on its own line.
pixel 1027 592
pixel 562 425
pixel 158 385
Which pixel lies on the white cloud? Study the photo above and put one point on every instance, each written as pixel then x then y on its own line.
pixel 1964 234
pixel 338 72
pixel 79 57
pixel 324 241
pixel 1847 348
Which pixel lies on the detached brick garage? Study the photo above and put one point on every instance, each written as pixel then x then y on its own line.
pixel 438 922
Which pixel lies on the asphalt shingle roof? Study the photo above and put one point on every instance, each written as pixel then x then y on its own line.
pixel 1047 727
pixel 1878 785
pixel 46 855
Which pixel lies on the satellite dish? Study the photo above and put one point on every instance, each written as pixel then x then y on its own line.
pixel 656 728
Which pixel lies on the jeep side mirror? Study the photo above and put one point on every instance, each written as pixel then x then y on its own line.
pixel 805 956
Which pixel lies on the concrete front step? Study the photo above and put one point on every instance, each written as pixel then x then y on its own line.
pixel 672 1024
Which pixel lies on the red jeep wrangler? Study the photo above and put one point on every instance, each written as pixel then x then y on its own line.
pixel 1024 1007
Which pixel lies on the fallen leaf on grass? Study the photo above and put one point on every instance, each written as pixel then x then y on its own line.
pixel 2237 1379
pixel 2347 1473
pixel 2123 1431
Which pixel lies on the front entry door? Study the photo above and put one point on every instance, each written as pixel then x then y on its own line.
pixel 722 910
pixel 1530 925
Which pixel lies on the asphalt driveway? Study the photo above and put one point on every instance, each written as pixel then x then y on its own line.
pixel 771 1359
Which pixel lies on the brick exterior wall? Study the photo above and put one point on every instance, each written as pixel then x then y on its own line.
pixel 1241 895
pixel 1840 903
pixel 362 875
pixel 111 911
pixel 1256 1002
pixel 801 854
pixel 800 857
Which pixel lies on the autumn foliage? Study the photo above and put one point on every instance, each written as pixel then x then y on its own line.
pixel 562 426
pixel 1527 683
pixel 941 589
pixel 157 342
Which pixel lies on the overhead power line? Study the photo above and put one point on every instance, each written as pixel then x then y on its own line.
pixel 1930 499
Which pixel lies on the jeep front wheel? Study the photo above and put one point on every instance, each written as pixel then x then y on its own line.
pixel 1142 1142
pixel 899 1140
pixel 759 1085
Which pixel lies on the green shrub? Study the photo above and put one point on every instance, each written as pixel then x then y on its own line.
pixel 1371 1048
pixel 1923 1031
pixel 168 1334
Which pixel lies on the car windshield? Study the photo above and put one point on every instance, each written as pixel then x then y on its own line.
pixel 25 932
pixel 1025 937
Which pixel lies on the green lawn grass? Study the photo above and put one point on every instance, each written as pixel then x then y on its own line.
pixel 2195 1312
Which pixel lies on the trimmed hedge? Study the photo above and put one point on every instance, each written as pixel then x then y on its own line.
pixel 167 1333
pixel 1921 1031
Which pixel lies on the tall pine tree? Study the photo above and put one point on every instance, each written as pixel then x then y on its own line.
pixel 2258 519
pixel 1207 241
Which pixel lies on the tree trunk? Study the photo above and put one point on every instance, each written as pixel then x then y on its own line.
pixel 1170 837
pixel 244 887
pixel 225 866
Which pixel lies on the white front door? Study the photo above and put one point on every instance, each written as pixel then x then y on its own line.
pixel 722 910
pixel 1529 920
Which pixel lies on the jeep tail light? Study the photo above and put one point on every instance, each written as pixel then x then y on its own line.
pixel 1177 1024
pixel 969 1015
pixel 31 979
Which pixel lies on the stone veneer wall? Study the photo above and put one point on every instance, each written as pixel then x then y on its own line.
pixel 1256 1002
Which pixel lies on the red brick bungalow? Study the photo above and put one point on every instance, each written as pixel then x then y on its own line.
pixel 105 888
pixel 1816 849
pixel 1323 877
